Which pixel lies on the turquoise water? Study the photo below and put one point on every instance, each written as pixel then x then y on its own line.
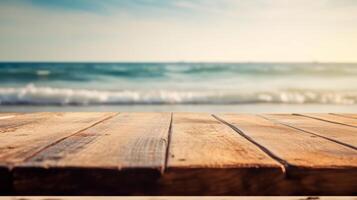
pixel 176 84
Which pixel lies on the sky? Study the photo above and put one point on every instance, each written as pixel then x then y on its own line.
pixel 179 30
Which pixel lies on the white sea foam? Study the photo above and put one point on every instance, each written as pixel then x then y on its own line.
pixel 43 72
pixel 35 95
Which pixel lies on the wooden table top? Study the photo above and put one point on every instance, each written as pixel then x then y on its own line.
pixel 178 154
pixel 178 198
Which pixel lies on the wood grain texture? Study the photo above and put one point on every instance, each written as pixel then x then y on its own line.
pixel 181 198
pixel 348 115
pixel 332 119
pixel 179 154
pixel 9 122
pixel 125 154
pixel 24 135
pixel 341 134
pixel 314 165
pixel 208 158
pixel 5 175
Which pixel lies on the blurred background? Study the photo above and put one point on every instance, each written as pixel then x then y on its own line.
pixel 180 55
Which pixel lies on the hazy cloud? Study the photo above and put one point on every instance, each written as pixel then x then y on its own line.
pixel 221 30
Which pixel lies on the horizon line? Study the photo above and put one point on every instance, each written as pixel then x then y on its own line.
pixel 177 62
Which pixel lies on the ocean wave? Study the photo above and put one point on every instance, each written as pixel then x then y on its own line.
pixel 84 72
pixel 34 95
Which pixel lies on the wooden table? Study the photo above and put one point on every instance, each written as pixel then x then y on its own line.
pixel 178 154
pixel 179 198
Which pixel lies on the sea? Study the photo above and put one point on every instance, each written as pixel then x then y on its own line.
pixel 180 87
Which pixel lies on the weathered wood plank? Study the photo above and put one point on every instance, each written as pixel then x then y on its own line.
pixel 5 175
pixel 341 134
pixel 208 158
pixel 60 153
pixel 25 135
pixel 332 119
pixel 122 155
pixel 181 198
pixel 314 165
pixel 12 121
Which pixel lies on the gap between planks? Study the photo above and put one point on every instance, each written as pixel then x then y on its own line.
pixel 309 132
pixel 301 171
pixel 350 116
pixel 126 133
pixel 208 157
pixel 62 139
pixel 284 163
pixel 7 166
pixel 98 123
pixel 169 135
pixel 325 120
pixel 237 130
